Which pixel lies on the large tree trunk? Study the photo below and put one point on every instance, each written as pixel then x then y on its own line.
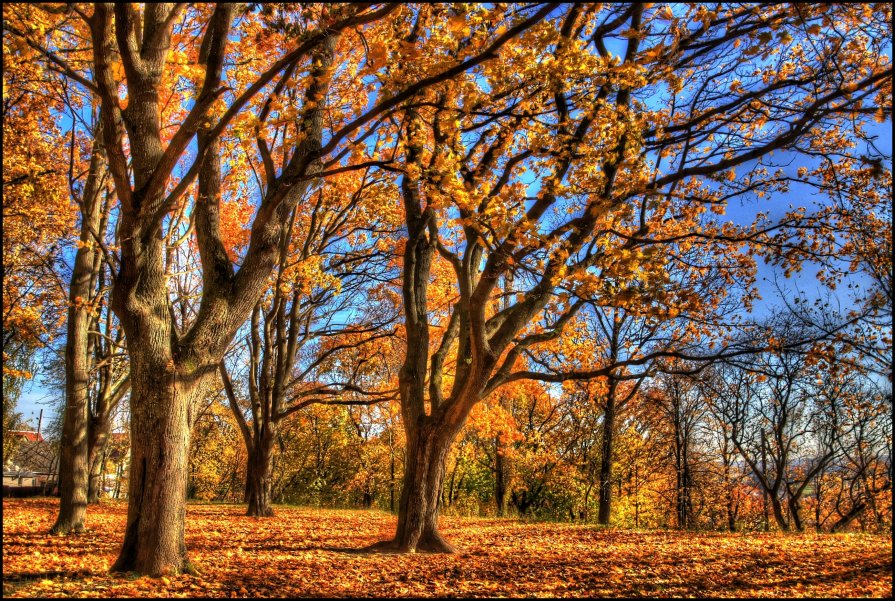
pixel 605 497
pixel 427 451
pixel 425 466
pixel 160 438
pixel 258 479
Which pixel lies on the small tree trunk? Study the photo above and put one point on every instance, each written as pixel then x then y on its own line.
pixel 94 487
pixel 585 512
pixel 391 483
pixel 817 505
pixel 73 460
pixel 731 511
pixel 729 499
pixel 500 478
pixel 731 515
pixel 97 441
pixel 605 497
pixel 777 508
pixel 119 474
pixel 684 502
pixel 503 464
pixel 160 439
pixel 259 475
pixel 73 468
pixel 765 497
pixel 795 514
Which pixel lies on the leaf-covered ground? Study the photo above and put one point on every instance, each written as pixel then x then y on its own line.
pixel 309 552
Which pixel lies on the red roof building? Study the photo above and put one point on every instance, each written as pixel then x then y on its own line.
pixel 27 435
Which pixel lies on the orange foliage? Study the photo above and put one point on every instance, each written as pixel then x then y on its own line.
pixel 38 215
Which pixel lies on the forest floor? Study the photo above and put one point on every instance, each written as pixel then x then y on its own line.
pixel 311 552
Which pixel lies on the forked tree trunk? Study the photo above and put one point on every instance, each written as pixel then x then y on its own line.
pixel 258 477
pixel 160 439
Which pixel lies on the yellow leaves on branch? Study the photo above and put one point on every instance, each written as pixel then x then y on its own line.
pixel 38 213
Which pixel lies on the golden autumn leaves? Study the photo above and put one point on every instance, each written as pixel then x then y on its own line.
pixel 303 551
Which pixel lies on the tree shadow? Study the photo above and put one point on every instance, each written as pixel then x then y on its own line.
pixel 25 577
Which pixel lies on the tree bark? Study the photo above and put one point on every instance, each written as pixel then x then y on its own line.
pixel 160 436
pixel 731 502
pixel 777 508
pixel 94 486
pixel 417 530
pixel 843 522
pixel 259 482
pixel 501 479
pixel 605 497
pixel 683 498
pixel 97 440
pixel 795 514
pixel 73 461
pixel 764 493
pixel 731 513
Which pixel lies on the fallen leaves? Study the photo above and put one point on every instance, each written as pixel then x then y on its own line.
pixel 313 552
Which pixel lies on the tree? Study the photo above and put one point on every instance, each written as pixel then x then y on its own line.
pixel 784 425
pixel 859 481
pixel 729 472
pixel 623 155
pixel 680 407
pixel 308 340
pixel 86 179
pixel 74 464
